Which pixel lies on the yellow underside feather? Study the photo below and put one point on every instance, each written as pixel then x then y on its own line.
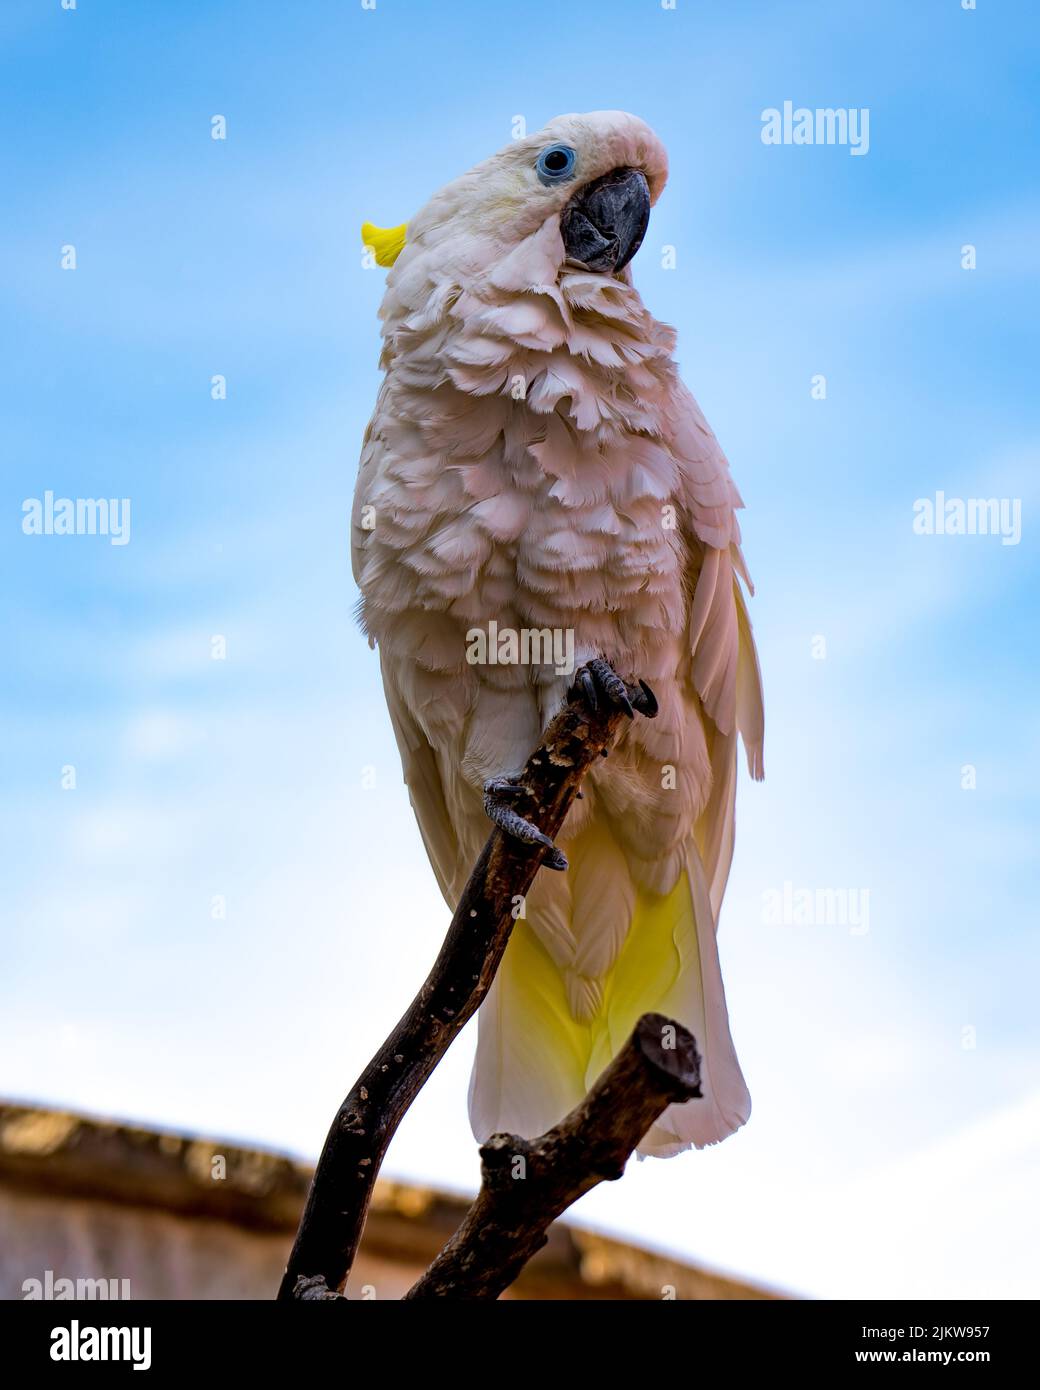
pixel 661 945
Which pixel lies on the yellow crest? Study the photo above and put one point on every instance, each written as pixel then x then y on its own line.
pixel 386 242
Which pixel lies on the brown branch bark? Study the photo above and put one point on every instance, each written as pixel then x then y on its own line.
pixel 527 1183
pixel 341 1189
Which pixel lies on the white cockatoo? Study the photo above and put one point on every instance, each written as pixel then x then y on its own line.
pixel 535 465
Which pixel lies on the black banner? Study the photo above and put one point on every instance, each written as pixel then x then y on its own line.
pixel 784 1338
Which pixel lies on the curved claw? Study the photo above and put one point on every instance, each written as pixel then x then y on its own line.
pixel 610 684
pixel 588 689
pixel 497 794
pixel 646 701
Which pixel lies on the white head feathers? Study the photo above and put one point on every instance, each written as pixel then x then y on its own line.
pixel 500 207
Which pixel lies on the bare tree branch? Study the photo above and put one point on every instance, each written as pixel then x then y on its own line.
pixel 527 1183
pixel 341 1189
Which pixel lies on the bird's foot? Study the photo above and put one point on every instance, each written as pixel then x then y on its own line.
pixel 598 681
pixel 499 793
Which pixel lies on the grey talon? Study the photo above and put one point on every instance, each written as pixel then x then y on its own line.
pixel 610 684
pixel 503 788
pixel 498 792
pixel 646 701
pixel 513 824
pixel 588 689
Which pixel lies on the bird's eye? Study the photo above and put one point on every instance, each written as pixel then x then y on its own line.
pixel 555 164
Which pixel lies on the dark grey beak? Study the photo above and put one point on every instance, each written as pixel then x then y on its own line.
pixel 603 225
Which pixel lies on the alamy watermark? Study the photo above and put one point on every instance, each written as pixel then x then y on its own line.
pixel 80 1342
pixel 822 125
pixel 817 907
pixel 526 646
pixel 969 516
pixel 77 516
pixel 61 1288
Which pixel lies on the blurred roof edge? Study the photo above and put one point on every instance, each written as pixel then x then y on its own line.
pixel 65 1154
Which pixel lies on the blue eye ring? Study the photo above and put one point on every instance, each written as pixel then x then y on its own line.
pixel 556 164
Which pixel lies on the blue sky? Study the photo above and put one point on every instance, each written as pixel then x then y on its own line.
pixel 884 1156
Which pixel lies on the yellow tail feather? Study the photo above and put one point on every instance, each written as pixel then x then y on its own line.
pixel 535 1061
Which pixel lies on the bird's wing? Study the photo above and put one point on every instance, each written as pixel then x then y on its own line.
pixel 422 774
pixel 425 789
pixel 724 664
pixel 372 448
